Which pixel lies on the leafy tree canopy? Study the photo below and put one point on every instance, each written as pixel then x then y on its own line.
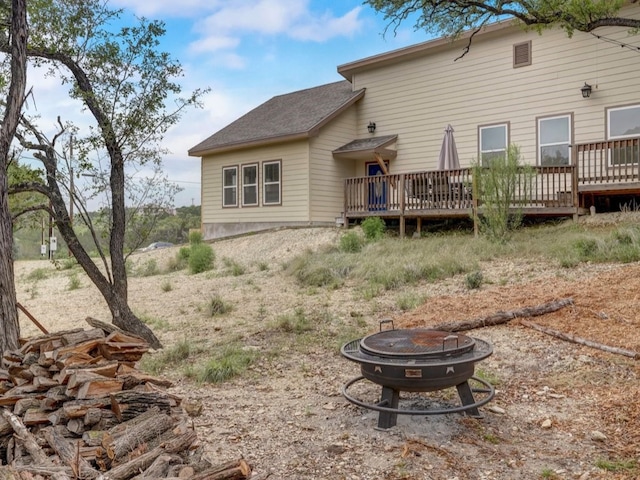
pixel 452 17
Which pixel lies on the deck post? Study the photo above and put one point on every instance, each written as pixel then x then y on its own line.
pixel 474 205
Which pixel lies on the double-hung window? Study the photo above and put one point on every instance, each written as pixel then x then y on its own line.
pixel 230 186
pixel 493 141
pixel 250 185
pixel 272 183
pixel 622 123
pixel 554 140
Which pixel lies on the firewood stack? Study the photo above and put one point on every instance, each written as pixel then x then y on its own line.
pixel 73 405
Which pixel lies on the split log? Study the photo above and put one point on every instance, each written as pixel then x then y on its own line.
pixel 129 404
pixel 68 454
pixel 76 425
pixel 234 470
pixel 99 388
pixel 82 336
pixel 56 473
pixel 144 461
pixel 35 344
pixel 138 435
pixel 34 416
pixel 25 404
pixel 107 327
pixel 505 317
pixel 160 467
pixel 27 439
pixel 78 408
pixel 581 341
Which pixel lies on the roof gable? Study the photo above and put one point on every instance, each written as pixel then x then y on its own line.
pixel 293 115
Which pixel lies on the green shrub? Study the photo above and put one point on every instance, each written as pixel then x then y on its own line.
pixel 228 363
pixel 166 358
pixel 39 274
pixel 298 322
pixel 474 280
pixel 166 286
pixel 409 301
pixel 587 248
pixel 67 263
pixel 147 269
pixel 217 306
pixel 373 228
pixel 176 264
pixel 351 242
pixel 201 258
pixel 184 253
pixel 234 267
pixel 195 237
pixel 74 282
pixel 501 184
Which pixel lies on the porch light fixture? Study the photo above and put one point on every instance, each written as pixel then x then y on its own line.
pixel 371 127
pixel 586 90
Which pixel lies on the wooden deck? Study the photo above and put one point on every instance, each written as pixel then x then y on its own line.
pixel 598 169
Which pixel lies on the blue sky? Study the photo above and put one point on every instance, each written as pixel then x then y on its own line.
pixel 247 51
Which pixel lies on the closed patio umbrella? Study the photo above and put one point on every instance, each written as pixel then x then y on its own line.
pixel 448 159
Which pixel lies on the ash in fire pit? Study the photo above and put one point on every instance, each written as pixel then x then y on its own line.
pixel 418 360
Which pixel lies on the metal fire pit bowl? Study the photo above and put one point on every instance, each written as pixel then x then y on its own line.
pixel 418 360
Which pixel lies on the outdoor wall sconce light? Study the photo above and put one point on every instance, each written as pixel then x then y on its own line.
pixel 371 127
pixel 586 90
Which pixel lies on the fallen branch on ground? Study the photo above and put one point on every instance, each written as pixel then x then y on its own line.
pixel 582 341
pixel 505 317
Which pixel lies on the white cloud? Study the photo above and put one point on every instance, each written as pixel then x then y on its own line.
pixel 157 8
pixel 290 18
pixel 322 28
pixel 212 44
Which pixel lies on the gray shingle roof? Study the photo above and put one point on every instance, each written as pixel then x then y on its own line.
pixel 293 114
pixel 366 144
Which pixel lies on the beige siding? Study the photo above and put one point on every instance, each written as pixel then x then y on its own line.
pixel 326 173
pixel 294 158
pixel 418 97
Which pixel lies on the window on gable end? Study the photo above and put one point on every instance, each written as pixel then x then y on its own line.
pixel 230 186
pixel 522 54
pixel 272 183
pixel 250 185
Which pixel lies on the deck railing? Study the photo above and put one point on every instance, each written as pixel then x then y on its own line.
pixel 442 192
pixel 607 162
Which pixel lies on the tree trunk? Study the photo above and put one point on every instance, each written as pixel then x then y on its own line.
pixel 114 286
pixel 124 318
pixel 10 328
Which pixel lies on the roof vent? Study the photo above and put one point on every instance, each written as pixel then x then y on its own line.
pixel 522 54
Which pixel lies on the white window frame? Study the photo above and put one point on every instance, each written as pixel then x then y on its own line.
pixel 233 187
pixel 568 141
pixel 253 186
pixel 266 184
pixel 632 155
pixel 481 129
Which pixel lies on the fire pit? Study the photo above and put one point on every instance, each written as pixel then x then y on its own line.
pixel 418 360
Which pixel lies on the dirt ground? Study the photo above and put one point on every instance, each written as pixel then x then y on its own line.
pixel 561 410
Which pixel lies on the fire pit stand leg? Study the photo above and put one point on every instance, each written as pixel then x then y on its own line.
pixel 391 399
pixel 466 397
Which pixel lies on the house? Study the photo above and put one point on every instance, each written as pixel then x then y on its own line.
pixel 369 145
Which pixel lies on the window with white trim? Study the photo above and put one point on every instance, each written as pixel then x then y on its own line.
pixel 250 185
pixel 623 122
pixel 271 183
pixel 554 140
pixel 493 141
pixel 230 186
